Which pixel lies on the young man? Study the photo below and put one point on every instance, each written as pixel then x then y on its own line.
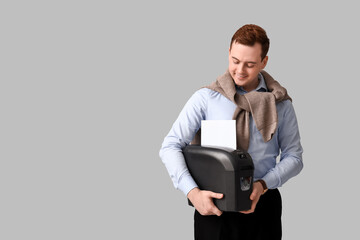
pixel 266 123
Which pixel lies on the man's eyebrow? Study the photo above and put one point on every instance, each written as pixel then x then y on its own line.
pixel 239 60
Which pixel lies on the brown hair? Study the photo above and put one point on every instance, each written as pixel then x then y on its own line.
pixel 250 34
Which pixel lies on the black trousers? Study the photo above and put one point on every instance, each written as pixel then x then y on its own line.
pixel 263 224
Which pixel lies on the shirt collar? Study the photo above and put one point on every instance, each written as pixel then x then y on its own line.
pixel 260 88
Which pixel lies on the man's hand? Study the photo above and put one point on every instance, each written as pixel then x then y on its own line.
pixel 203 201
pixel 255 196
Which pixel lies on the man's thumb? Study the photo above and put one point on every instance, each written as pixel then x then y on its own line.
pixel 217 195
pixel 253 195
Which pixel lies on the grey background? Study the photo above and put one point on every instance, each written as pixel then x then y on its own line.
pixel 89 89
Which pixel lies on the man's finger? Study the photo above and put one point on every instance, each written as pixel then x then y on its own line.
pixel 247 211
pixel 217 211
pixel 251 210
pixel 216 195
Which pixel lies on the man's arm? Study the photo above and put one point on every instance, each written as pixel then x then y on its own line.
pixel 291 150
pixel 180 135
pixel 290 159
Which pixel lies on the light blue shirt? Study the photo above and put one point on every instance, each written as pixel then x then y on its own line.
pixel 206 104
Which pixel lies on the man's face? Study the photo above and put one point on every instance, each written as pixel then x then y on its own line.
pixel 245 64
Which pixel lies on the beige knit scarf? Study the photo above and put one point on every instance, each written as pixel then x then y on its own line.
pixel 261 105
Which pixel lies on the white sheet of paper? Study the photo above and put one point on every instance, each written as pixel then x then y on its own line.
pixel 218 133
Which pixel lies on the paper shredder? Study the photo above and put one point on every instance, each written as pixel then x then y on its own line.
pixel 222 170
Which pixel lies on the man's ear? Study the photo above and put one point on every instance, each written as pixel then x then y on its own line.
pixel 264 62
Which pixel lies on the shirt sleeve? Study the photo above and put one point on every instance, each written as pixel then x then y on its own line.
pixel 180 135
pixel 290 163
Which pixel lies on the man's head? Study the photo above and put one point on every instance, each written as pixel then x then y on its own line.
pixel 248 55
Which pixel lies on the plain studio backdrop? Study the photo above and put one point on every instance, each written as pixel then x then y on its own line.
pixel 89 89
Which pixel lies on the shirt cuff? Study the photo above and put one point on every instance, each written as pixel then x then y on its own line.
pixel 186 184
pixel 272 180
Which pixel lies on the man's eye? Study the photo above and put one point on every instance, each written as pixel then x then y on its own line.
pixel 250 65
pixel 236 62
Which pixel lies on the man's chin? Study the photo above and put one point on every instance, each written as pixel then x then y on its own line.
pixel 240 83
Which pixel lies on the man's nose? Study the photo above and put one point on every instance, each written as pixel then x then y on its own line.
pixel 241 68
